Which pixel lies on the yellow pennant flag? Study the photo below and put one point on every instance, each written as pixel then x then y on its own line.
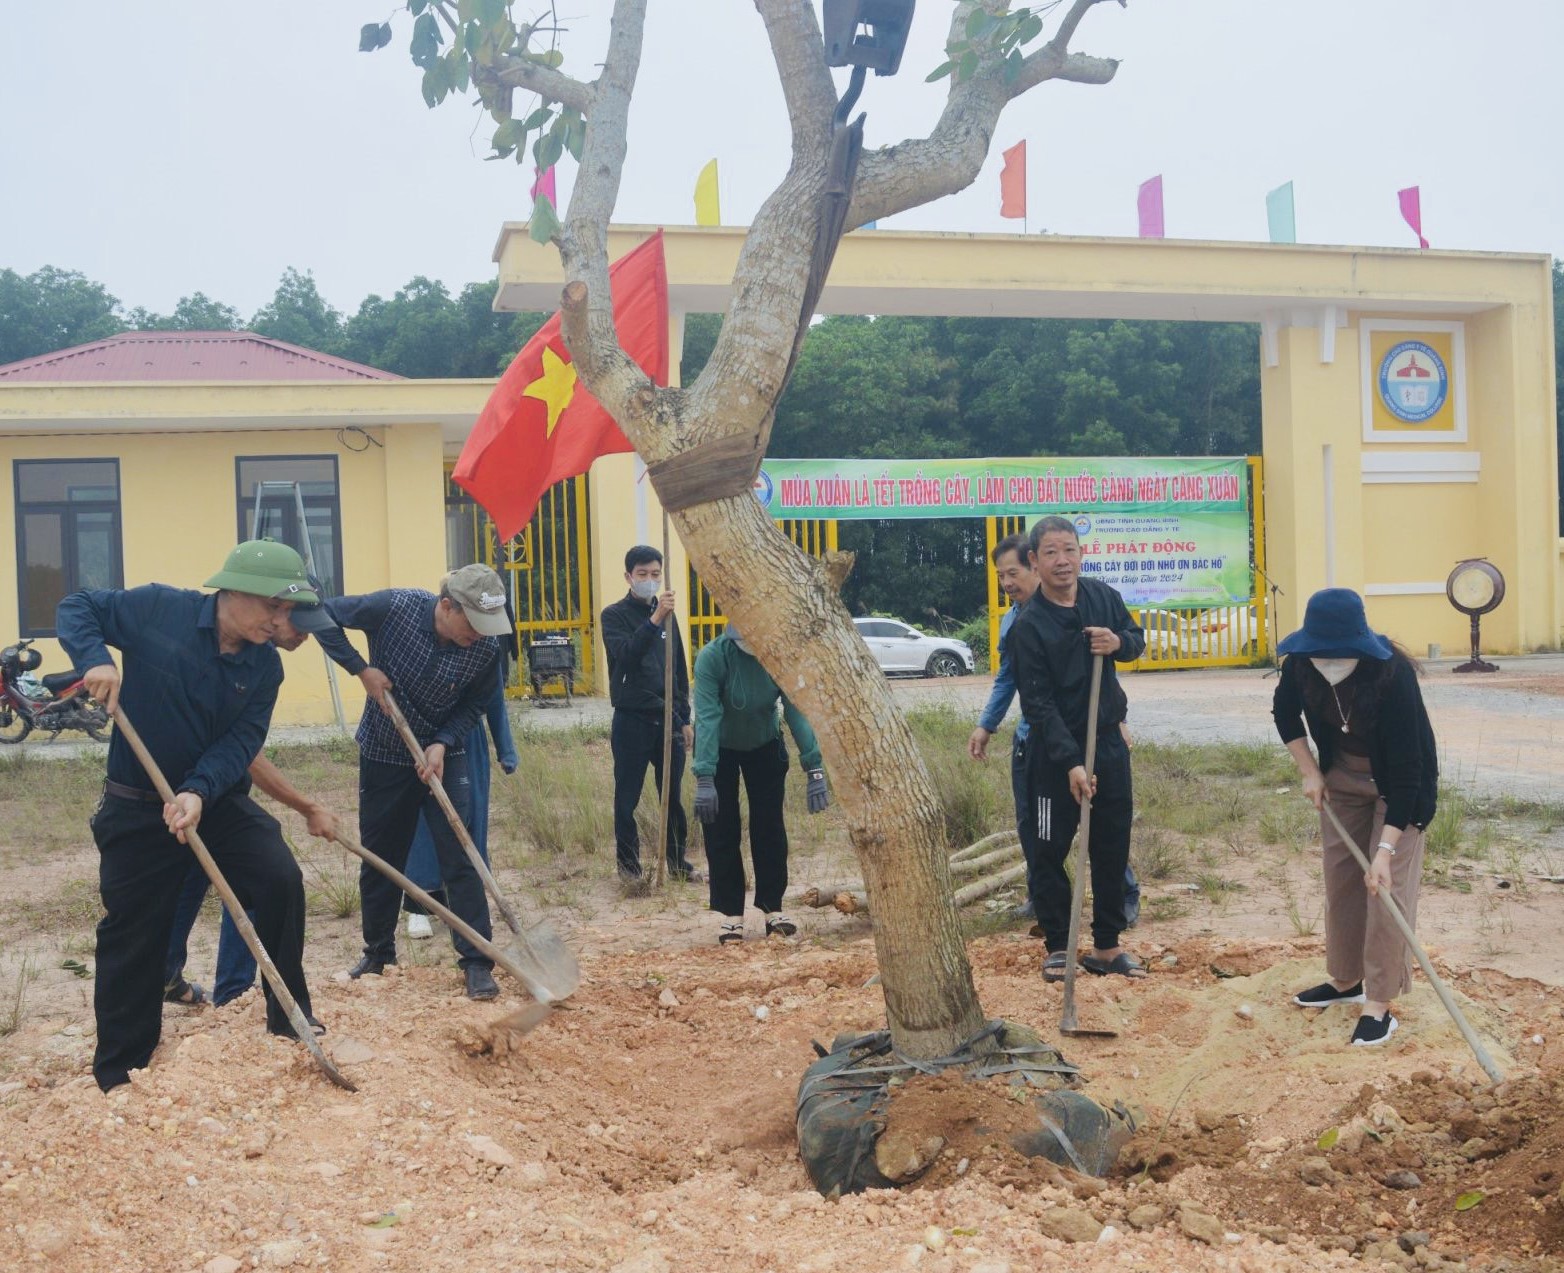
pixel 707 211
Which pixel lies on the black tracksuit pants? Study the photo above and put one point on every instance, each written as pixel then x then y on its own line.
pixel 390 798
pixel 141 871
pixel 764 770
pixel 637 741
pixel 1054 816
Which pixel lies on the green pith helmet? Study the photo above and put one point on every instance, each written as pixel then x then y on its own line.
pixel 265 568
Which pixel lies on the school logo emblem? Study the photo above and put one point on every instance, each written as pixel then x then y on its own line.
pixel 1083 524
pixel 1413 381
pixel 764 489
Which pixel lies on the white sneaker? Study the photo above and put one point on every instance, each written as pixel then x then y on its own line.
pixel 419 927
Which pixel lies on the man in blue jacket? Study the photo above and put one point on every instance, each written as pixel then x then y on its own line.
pixel 200 681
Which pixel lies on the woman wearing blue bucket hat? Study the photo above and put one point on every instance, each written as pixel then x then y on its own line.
pixel 1357 694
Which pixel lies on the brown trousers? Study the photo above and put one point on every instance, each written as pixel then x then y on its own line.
pixel 1361 940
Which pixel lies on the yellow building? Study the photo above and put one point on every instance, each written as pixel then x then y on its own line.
pixel 1378 477
pixel 136 460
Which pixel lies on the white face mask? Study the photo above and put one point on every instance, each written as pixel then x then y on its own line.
pixel 1335 671
pixel 646 589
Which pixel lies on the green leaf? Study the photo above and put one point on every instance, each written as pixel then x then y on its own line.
pixel 979 24
pixel 466 11
pixel 575 138
pixel 415 7
pixel 968 65
pixel 1014 63
pixel 553 59
pixel 1329 1138
pixel 547 150
pixel 437 83
pixel 939 72
pixel 538 118
pixel 492 11
pixel 544 224
pixel 458 68
pixel 373 35
pixel 425 46
pixel 509 135
pixel 385 1221
pixel 1469 1199
pixel 1029 30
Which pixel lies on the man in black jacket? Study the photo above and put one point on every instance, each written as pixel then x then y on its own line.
pixel 1068 620
pixel 634 636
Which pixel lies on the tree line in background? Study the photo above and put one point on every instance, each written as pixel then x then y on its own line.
pixel 864 388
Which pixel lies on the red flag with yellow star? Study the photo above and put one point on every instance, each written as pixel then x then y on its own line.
pixel 540 425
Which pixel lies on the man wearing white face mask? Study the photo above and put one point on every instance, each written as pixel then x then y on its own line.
pixel 1379 769
pixel 634 637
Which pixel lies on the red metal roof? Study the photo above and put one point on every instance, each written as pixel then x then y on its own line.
pixel 165 355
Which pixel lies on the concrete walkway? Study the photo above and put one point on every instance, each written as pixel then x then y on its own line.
pixel 1498 732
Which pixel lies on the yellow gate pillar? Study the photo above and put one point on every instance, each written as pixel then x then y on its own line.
pixel 1310 422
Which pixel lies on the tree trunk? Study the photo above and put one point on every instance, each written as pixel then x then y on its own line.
pixel 803 636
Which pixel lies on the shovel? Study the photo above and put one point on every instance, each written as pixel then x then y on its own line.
pixel 296 1017
pixel 1067 1023
pixel 515 958
pixel 1443 991
pixel 541 960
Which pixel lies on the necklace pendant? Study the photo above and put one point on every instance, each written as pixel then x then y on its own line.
pixel 1344 728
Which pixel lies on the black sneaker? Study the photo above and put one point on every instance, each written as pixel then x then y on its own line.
pixel 1325 994
pixel 480 983
pixel 369 964
pixel 1374 1030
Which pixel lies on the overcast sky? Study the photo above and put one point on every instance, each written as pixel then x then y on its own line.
pixel 165 147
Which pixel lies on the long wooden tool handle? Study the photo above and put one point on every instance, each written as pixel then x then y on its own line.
pixel 1443 991
pixel 296 1017
pixel 1078 884
pixel 424 899
pixel 666 803
pixel 454 818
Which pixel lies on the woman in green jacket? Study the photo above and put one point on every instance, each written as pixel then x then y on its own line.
pixel 737 732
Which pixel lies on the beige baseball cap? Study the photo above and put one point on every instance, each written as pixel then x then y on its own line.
pixel 481 594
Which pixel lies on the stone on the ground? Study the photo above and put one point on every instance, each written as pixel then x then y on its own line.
pixel 485 1149
pixel 668 999
pixel 1202 1227
pixel 1070 1225
pixel 1316 1171
pixel 222 1264
pixel 1146 1216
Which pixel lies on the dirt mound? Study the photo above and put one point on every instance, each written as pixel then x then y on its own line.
pixel 649 1126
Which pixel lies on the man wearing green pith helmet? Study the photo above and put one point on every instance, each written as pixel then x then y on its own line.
pixel 199 685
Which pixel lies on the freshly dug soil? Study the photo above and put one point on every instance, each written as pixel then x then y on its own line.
pixel 648 1126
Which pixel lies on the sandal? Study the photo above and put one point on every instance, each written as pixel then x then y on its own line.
pixel 1053 966
pixel 186 992
pixel 1124 964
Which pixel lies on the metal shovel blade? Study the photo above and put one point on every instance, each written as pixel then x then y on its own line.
pixel 541 961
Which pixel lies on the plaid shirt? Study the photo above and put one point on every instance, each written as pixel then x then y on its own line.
pixel 441 689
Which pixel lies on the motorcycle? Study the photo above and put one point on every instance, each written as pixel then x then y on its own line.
pixel 55 702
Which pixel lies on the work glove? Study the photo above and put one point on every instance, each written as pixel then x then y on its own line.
pixel 815 794
pixel 705 797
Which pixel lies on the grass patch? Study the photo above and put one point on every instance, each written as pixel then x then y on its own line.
pixel 560 803
pixel 73 905
pixel 330 881
pixel 69 787
pixel 1155 855
pixel 975 798
pixel 14 1006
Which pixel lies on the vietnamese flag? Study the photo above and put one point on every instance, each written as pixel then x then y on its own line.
pixel 1012 183
pixel 540 425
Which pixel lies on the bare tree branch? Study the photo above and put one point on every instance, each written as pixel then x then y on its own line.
pixel 587 322
pixel 947 160
pixel 798 49
pixel 534 77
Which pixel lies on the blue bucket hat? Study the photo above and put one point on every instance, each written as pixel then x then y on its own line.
pixel 1335 627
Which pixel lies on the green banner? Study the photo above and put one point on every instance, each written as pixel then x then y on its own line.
pixel 1168 531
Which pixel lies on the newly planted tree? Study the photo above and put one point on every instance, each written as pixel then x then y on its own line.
pixel 704 441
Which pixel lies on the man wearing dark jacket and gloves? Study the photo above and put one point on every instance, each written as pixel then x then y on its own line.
pixel 440 657
pixel 1069 620
pixel 636 641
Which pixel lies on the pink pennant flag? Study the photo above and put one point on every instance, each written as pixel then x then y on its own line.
pixel 544 185
pixel 1412 211
pixel 1149 205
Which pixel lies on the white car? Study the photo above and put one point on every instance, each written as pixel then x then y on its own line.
pixel 902 649
pixel 1190 634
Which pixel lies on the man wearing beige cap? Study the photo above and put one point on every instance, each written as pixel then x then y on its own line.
pixel 441 656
